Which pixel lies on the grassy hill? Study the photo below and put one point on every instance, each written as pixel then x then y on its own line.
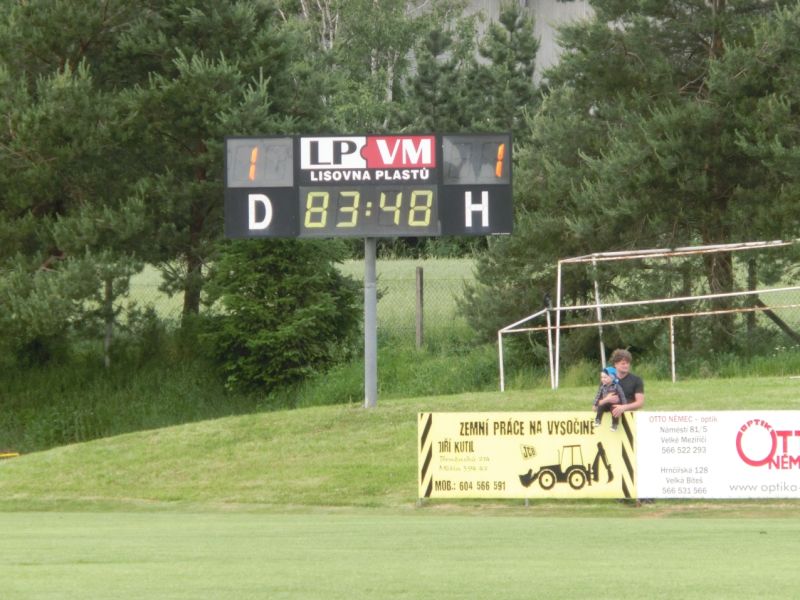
pixel 320 503
pixel 332 456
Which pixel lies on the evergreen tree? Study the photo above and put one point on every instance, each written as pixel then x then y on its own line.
pixel 632 148
pixel 74 146
pixel 207 70
pixel 502 89
pixel 182 121
pixel 760 85
pixel 437 89
pixel 463 83
pixel 287 311
pixel 62 167
pixel 489 87
pixel 42 37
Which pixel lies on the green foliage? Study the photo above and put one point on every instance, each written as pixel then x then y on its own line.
pixel 40 304
pixel 204 71
pixel 506 80
pixel 646 139
pixel 72 236
pixel 286 312
pixel 407 372
pixel 759 85
pixel 365 49
pixel 445 58
pixel 466 83
pixel 112 122
pixel 42 37
pixel 152 383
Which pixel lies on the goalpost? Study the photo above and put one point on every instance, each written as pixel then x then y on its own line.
pixel 553 349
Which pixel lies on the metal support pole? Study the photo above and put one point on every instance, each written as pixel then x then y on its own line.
pixel 550 350
pixel 599 314
pixel 500 352
pixel 420 308
pixel 672 345
pixel 558 324
pixel 370 324
pixel 510 329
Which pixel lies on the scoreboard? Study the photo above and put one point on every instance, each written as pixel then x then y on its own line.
pixel 368 186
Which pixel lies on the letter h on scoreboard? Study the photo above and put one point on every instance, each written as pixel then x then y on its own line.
pixel 476 210
pixel 476 191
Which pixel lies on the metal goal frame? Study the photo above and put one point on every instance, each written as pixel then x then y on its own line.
pixel 554 329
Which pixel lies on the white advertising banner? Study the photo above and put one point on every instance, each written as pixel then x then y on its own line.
pixel 720 454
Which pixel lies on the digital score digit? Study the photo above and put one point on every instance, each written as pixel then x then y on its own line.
pixel 259 162
pixel 368 186
pixel 473 159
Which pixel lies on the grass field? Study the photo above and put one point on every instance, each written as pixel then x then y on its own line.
pixel 366 555
pixel 321 503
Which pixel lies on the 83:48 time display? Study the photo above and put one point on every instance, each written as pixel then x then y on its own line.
pixel 369 211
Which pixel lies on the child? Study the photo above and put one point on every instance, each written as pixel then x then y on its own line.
pixel 609 384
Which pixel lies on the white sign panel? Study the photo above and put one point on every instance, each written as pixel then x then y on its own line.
pixel 721 454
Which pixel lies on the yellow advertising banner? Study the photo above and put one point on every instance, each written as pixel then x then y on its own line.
pixel 525 455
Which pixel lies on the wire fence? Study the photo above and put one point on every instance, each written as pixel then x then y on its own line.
pixel 399 307
pixel 398 297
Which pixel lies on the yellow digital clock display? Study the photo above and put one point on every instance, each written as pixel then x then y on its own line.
pixel 373 211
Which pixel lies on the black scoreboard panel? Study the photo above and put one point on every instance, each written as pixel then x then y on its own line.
pixel 368 186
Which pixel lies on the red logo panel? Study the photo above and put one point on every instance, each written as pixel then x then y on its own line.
pixel 400 152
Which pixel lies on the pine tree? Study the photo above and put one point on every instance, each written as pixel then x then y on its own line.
pixel 207 70
pixel 633 147
pixel 502 87
pixel 437 89
pixel 288 312
pixel 62 168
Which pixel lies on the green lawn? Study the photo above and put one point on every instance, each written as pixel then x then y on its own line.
pixel 341 455
pixel 367 555
pixel 321 503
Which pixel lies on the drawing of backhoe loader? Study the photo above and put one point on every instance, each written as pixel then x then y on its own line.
pixel 570 469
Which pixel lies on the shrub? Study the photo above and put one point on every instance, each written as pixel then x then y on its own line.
pixel 286 312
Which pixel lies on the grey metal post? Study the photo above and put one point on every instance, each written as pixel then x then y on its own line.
pixel 553 384
pixel 420 308
pixel 558 326
pixel 599 314
pixel 672 346
pixel 500 356
pixel 370 324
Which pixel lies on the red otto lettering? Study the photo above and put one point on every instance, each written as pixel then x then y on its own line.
pixel 778 456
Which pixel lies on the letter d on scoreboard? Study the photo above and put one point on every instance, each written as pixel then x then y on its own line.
pixel 260 195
